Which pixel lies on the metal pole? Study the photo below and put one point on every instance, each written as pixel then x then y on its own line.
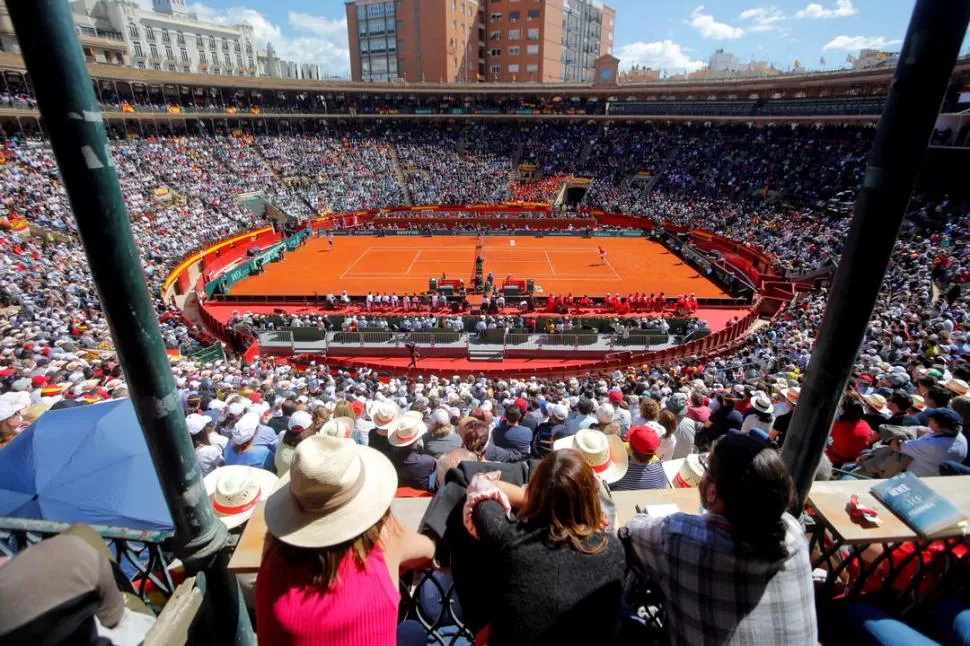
pixel 53 56
pixel 922 75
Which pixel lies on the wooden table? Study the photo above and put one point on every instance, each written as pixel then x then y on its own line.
pixel 249 551
pixel 829 500
pixel 687 501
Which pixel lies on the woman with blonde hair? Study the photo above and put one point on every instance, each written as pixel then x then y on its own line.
pixel 333 550
pixel 557 557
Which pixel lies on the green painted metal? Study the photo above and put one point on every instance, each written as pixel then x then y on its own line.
pixel 65 94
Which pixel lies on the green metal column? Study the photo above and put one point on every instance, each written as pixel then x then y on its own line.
pixel 922 77
pixel 52 52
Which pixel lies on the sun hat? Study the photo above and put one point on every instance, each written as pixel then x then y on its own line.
pixel 8 410
pixel 690 473
pixel 761 403
pixel 339 427
pixel 559 411
pixel 236 489
pixel 245 429
pixel 300 419
pixel 792 394
pixel 605 414
pixel 958 386
pixel 644 440
pixel 385 414
pixel 877 402
pixel 333 492
pixel 409 430
pixel 604 453
pixel 918 402
pixel 196 423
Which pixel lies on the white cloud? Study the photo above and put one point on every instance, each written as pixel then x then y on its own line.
pixel 815 11
pixel 762 18
pixel 710 28
pixel 662 55
pixel 324 44
pixel 853 43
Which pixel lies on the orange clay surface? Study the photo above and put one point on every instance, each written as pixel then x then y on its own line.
pixel 403 264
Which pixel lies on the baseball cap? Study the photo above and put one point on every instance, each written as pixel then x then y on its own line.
pixel 946 417
pixel 615 396
pixel 245 428
pixel 643 439
pixel 300 419
pixel 677 402
pixel 236 409
pixel 196 423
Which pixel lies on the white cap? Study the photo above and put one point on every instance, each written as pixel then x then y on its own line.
pixel 196 423
pixel 245 428
pixel 236 409
pixel 440 416
pixel 559 411
pixel 216 404
pixel 8 410
pixel 301 419
pixel 605 413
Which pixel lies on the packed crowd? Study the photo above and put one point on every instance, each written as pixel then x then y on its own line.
pixel 912 372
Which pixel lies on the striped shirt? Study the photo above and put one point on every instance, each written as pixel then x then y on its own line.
pixel 642 476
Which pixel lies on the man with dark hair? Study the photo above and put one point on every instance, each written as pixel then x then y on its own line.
pixel 584 416
pixel 740 573
pixel 280 424
pixel 509 434
pixel 936 397
pixel 899 404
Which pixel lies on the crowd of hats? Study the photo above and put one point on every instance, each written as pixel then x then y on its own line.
pixel 56 345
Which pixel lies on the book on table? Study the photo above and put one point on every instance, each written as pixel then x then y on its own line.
pixel 925 512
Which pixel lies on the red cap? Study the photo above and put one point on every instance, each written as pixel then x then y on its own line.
pixel 7 372
pixel 255 397
pixel 358 407
pixel 643 440
pixel 615 396
pixel 38 381
pixel 523 404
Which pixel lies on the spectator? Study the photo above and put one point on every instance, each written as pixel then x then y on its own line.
pixel 550 430
pixel 667 421
pixel 645 470
pixel 208 455
pixel 414 469
pixel 299 427
pixel 331 522
pixel 741 571
pixel 850 433
pixel 761 419
pixel 241 448
pixel 686 428
pixel 442 437
pixel 698 410
pixel 510 435
pixel 943 443
pixel 584 416
pixel 556 556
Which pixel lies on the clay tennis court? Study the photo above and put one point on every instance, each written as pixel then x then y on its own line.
pixel 403 264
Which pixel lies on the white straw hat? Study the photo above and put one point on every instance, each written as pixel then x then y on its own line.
pixel 409 430
pixel 339 427
pixel 385 414
pixel 236 489
pixel 335 491
pixel 605 453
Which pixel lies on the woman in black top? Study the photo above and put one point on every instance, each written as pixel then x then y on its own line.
pixel 560 573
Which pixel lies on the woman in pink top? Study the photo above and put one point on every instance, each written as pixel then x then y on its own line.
pixel 329 573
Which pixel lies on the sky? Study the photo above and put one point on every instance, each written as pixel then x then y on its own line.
pixel 671 36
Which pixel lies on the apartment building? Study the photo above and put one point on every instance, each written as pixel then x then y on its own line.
pixel 469 41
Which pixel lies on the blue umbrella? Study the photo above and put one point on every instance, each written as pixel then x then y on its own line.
pixel 88 464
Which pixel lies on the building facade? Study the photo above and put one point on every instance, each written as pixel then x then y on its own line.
pixel 469 41
pixel 722 61
pixel 168 38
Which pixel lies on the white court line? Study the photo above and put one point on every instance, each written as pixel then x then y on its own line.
pixel 611 268
pixel 408 271
pixel 359 258
pixel 557 277
pixel 549 260
pixel 505 262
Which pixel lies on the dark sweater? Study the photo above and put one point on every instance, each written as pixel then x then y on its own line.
pixel 549 594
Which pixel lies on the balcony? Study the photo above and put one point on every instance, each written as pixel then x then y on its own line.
pixel 104 41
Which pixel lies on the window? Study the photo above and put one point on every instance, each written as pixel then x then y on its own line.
pixel 225 45
pixel 362 29
pixel 375 10
pixel 388 8
pixel 184 55
pixel 212 42
pixel 239 61
pixel 152 50
pixel 149 32
pixel 364 46
pixel 133 30
pixel 495 51
pixel 513 68
pixel 514 51
pixel 494 69
pixel 186 69
pixel 515 34
pixel 361 12
pixel 180 38
pixel 514 16
pixel 390 25
pixel 141 65
pixel 252 65
pixel 165 36
pixel 249 47
pixel 202 58
pixel 235 46
pixel 494 18
pixel 225 57
pixel 495 35
pixel 532 34
pixel 138 49
pixel 610 36
pixel 532 67
pixel 157 67
pixel 199 43
pixel 169 54
pixel 172 68
pixel 533 14
pixel 532 50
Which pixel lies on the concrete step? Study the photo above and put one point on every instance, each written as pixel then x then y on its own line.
pixel 485 355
